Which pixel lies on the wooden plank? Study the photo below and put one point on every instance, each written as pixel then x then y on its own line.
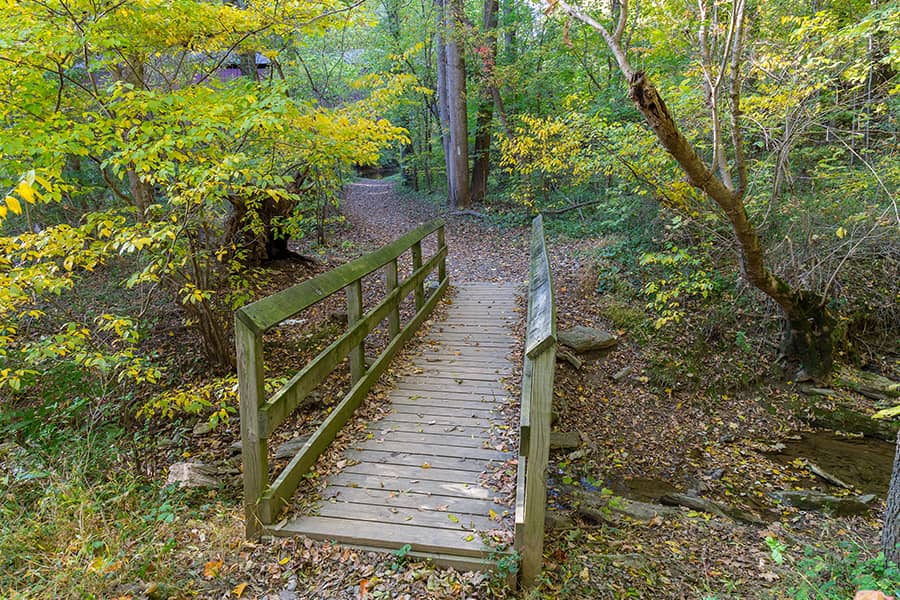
pixel 536 475
pixel 483 432
pixel 422 486
pixel 519 514
pixel 282 488
pixel 448 399
pixel 475 465
pixel 442 243
pixel 354 314
pixel 390 284
pixel 427 412
pixel 405 516
pixel 416 263
pixel 477 376
pixel 433 450
pixel 438 420
pixel 412 499
pixel 462 443
pixel 254 454
pixel 365 533
pixel 525 408
pixel 541 327
pixel 477 403
pixel 431 473
pixel 457 384
pixel 263 314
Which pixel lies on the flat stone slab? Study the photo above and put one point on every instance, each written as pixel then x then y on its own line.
pixel 586 339
pixel 820 501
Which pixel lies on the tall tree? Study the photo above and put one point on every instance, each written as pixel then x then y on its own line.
pixel 488 51
pixel 810 323
pixel 452 100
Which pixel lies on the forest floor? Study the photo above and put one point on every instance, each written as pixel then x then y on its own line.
pixel 647 426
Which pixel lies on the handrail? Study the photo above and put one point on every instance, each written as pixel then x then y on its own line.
pixel 260 416
pixel 537 397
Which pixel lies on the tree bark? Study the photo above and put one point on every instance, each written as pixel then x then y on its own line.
pixel 890 533
pixel 141 193
pixel 481 163
pixel 457 150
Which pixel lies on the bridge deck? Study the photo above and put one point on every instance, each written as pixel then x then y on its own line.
pixel 417 478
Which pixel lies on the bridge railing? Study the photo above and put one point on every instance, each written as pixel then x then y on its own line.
pixel 263 501
pixel 537 398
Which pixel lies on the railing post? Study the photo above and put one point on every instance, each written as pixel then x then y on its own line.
pixel 390 284
pixel 417 264
pixel 442 265
pixel 354 314
pixel 253 442
pixel 537 459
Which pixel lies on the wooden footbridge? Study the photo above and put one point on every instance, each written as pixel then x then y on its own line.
pixel 418 479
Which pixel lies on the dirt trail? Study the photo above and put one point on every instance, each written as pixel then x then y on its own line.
pixel 478 252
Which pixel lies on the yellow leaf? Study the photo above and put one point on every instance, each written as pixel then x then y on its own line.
pixel 211 568
pixel 840 233
pixel 25 190
pixel 453 518
pixel 14 205
pixel 239 589
pixel 492 514
pixel 2 211
pixel 425 465
pixel 284 560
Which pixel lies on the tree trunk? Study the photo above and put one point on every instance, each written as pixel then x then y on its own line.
pixel 890 534
pixel 457 157
pixel 482 156
pixel 141 193
pixel 810 324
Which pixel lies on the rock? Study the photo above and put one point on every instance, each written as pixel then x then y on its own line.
pixel 871 385
pixel 570 358
pixel 564 439
pixel 192 475
pixel 822 502
pixel 583 339
pixel 622 373
pixel 291 447
pixel 599 507
pixel 236 448
pixel 708 506
pixel 556 521
pixel 339 316
pixel 288 595
pixel 634 562
pixel 202 428
pixel 840 417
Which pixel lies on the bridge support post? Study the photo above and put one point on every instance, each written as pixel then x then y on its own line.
pixel 390 284
pixel 254 448
pixel 417 264
pixel 354 314
pixel 442 266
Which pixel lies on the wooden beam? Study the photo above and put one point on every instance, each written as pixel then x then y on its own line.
pixel 541 330
pixel 536 474
pixel 417 263
pixel 254 451
pixel 442 243
pixel 390 284
pixel 354 315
